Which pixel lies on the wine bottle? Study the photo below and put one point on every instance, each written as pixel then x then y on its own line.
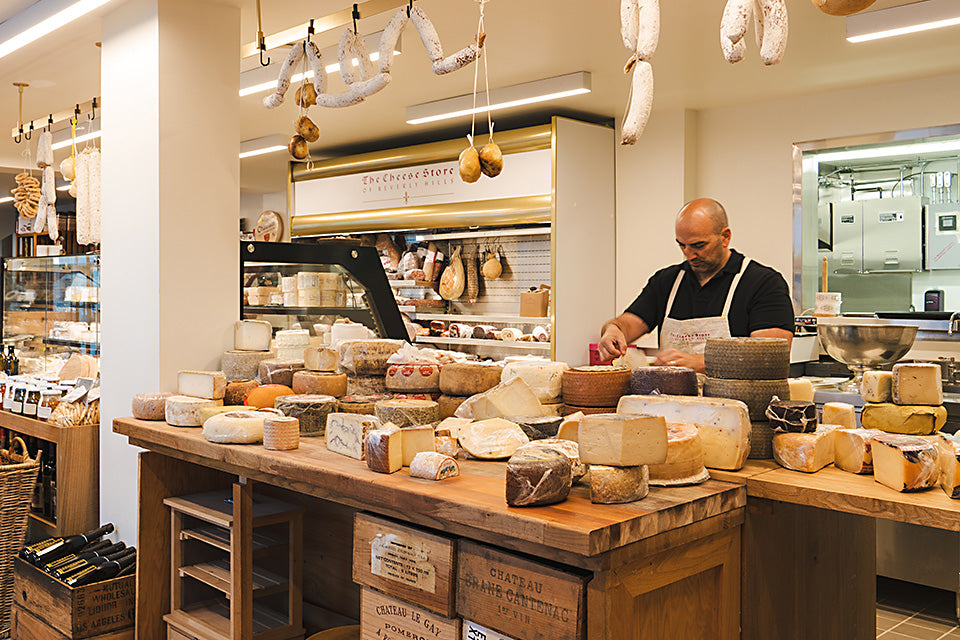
pixel 70 569
pixel 104 572
pixel 62 546
pixel 102 548
pixel 14 362
pixel 6 362
pixel 129 569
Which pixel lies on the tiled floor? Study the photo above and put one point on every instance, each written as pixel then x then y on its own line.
pixel 912 612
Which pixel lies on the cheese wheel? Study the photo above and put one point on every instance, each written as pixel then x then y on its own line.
pixel 492 439
pixel 236 392
pixel 674 381
pixel 553 409
pixel 208 412
pixel 293 338
pixel 684 464
pixel 184 411
pixel 433 466
pixel 243 365
pixel 905 463
pixel 278 371
pixel 618 485
pixel 202 384
pixel 365 385
pixel 537 477
pixel 317 383
pixel 281 433
pixel 449 405
pixel 595 386
pixel 364 404
pixel 756 394
pixel 235 427
pixel 367 357
pixel 405 413
pixel 310 410
pixel 743 358
pixel 402 378
pixel 150 406
pixel 320 359
pixel 265 395
pixel 570 409
pixel 543 377
pixel 537 427
pixel 252 335
pixel 578 470
pixel 346 432
pixel 761 440
pixel 469 378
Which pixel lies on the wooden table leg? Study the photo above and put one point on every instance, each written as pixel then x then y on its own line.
pixel 807 573
pixel 241 562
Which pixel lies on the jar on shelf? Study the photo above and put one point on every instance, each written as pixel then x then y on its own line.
pixel 49 399
pixel 31 401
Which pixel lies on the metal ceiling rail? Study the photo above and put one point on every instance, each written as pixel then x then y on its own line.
pixel 53 119
pixel 321 25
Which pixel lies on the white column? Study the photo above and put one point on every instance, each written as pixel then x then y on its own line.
pixel 170 292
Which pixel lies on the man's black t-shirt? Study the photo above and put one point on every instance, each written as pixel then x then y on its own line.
pixel 762 300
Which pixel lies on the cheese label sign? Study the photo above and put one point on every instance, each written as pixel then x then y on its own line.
pixel 403 560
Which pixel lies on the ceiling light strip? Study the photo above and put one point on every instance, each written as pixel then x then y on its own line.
pixel 911 18
pixel 307 75
pixel 48 24
pixel 321 25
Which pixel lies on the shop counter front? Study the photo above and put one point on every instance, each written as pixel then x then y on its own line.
pixel 666 566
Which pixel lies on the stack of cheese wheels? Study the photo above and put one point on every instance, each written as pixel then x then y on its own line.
pixel 460 380
pixel 196 390
pixel 291 344
pixel 544 377
pixel 671 381
pixel 365 362
pixel 754 371
pixel 594 389
pixel 251 345
pixel 619 447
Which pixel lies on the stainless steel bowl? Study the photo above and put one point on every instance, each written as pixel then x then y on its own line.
pixel 863 346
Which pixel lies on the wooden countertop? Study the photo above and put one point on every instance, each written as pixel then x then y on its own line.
pixel 474 500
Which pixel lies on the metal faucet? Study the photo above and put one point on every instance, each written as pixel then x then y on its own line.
pixel 952 321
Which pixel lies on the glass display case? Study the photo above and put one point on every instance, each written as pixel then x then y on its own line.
pixel 51 309
pixel 310 286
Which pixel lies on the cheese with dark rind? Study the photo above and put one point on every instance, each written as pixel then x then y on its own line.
pixel 320 383
pixel 684 463
pixel 364 404
pixel 449 405
pixel 383 449
pixel 807 452
pixel 595 386
pixel 310 410
pixel 917 384
pixel 469 378
pixel 346 432
pixel 405 413
pixel 622 440
pixel 236 391
pixel 243 365
pixel 920 420
pixel 433 466
pixel 792 416
pixel 756 394
pixel 949 460
pixel 537 427
pixel 365 385
pixel 618 485
pixel 905 463
pixel 852 449
pixel 537 477
pixel 150 406
pixel 672 381
pixel 578 469
pixel 184 411
pixel 747 358
pixel 279 371
pixel 413 378
pixel 367 357
pixel 492 439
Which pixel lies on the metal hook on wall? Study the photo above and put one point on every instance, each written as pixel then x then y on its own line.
pixel 29 134
pixel 261 42
pixel 20 135
pixel 50 123
pixel 356 16
pixel 93 110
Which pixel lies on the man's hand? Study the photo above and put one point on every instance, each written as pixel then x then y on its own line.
pixel 674 358
pixel 613 343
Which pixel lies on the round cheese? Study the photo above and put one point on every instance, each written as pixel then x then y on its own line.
pixel 367 357
pixel 595 386
pixel 365 404
pixel 184 411
pixel 266 395
pixel 150 406
pixel 684 463
pixel 537 427
pixel 236 392
pixel 449 405
pixel 756 394
pixel 672 381
pixel 293 337
pixel 405 413
pixel 491 439
pixel 317 383
pixel 761 440
pixel 243 365
pixel 568 448
pixel 537 477
pixel 469 378
pixel 365 385
pixel 209 412
pixel 281 433
pixel 235 427
pixel 616 485
pixel 310 410
pixel 402 378
pixel 278 371
pixel 544 378
pixel 747 359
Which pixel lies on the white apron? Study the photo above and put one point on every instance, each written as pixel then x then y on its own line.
pixel 690 336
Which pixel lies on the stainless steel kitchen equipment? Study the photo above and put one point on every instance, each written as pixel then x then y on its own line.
pixel 847 256
pixel 892 234
pixel 943 236
pixel 862 345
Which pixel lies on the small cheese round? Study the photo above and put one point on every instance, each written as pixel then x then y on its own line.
pixel 265 395
pixel 617 485
pixel 281 433
pixel 235 427
pixel 668 381
pixel 150 406
pixel 684 463
pixel 318 383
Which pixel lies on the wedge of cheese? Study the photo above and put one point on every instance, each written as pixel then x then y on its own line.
pixel 905 463
pixel 417 440
pixel 724 425
pixel 511 398
pixel 383 449
pixel 807 452
pixel 841 414
pixel 346 432
pixel 623 440
pixel 917 383
pixel 949 460
pixel 853 449
pixel 202 384
pixel 877 386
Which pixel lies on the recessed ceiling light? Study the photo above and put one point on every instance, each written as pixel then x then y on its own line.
pixel 897 21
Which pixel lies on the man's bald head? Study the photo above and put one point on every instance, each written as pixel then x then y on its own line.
pixel 703 213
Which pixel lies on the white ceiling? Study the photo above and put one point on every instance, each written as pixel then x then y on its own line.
pixel 526 40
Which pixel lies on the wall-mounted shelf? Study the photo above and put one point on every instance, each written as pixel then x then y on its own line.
pixel 493 344
pixel 451 317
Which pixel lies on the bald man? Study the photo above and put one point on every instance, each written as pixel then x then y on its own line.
pixel 715 292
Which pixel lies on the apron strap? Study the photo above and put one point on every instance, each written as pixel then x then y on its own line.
pixel 733 286
pixel 673 294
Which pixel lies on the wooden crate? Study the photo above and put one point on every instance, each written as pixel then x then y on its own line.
pixel 519 597
pixel 405 562
pixel 474 631
pixel 90 611
pixel 386 618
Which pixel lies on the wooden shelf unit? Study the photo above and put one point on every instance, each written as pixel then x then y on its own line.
pixel 219 522
pixel 78 474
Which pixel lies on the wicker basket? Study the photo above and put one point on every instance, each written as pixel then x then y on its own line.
pixel 18 476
